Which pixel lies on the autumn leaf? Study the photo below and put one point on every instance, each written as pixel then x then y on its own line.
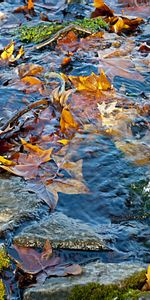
pixel 30 4
pixel 29 70
pixel 6 162
pixel 67 122
pixel 27 165
pixel 8 51
pixel 123 24
pixel 91 83
pixel 7 54
pixel 101 9
pixel 33 262
pixel 148 276
pixel 31 80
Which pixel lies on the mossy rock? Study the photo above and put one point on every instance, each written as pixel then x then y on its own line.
pixel 43 31
pixel 2 290
pixel 128 289
pixel 4 259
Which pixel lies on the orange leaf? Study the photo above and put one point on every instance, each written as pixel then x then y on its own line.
pixel 67 121
pixel 91 83
pixel 31 80
pixel 30 4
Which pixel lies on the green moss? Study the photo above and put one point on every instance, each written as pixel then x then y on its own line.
pixel 43 31
pixel 4 260
pixel 2 290
pixel 128 289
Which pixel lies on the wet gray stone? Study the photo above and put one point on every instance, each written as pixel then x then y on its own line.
pixel 62 232
pixel 16 204
pixel 59 288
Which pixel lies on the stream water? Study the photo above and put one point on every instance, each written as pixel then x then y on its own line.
pixel 118 206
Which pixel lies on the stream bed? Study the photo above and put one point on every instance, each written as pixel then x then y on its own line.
pixel 106 230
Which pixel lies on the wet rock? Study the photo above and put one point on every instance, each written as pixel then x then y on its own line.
pixel 16 204
pixel 62 232
pixel 59 288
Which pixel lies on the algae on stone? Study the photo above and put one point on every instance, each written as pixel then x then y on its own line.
pixel 2 290
pixel 4 259
pixel 43 31
pixel 128 289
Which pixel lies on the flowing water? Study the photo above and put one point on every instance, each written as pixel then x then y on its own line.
pixel 118 205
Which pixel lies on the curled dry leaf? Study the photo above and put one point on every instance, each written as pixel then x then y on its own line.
pixel 122 24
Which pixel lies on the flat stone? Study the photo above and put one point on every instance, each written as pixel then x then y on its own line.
pixel 62 232
pixel 59 288
pixel 16 204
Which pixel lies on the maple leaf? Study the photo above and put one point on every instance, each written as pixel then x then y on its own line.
pixel 46 263
pixel 91 83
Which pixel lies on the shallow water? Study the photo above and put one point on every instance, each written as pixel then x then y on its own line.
pixel 118 205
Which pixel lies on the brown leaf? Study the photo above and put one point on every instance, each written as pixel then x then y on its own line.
pixel 33 262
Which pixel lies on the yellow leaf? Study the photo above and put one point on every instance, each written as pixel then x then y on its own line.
pixel 8 51
pixel 63 141
pixel 6 162
pixel 148 274
pixel 20 53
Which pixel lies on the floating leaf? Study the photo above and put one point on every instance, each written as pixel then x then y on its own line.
pixel 91 83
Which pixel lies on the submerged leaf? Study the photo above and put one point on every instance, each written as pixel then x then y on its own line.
pixel 67 122
pixel 43 264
